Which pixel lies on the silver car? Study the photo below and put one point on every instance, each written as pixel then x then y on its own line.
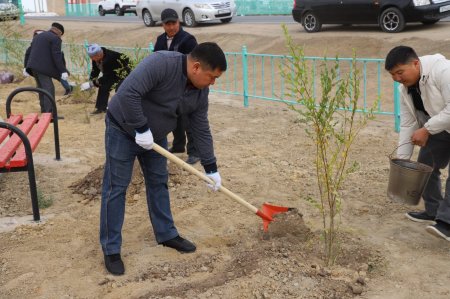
pixel 8 10
pixel 191 12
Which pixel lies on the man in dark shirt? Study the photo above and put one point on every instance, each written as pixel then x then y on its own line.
pixel 45 61
pixel 111 64
pixel 175 38
pixel 143 112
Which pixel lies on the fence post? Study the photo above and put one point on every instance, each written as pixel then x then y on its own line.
pixel 245 75
pixel 397 106
pixel 21 13
pixel 88 59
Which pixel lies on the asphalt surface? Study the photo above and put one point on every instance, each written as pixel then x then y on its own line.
pixel 134 19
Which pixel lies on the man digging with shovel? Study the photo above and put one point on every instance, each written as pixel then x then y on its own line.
pixel 141 113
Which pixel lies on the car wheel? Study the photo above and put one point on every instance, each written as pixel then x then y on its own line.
pixel 430 22
pixel 118 11
pixel 148 19
pixel 189 18
pixel 101 11
pixel 311 23
pixel 392 20
pixel 227 20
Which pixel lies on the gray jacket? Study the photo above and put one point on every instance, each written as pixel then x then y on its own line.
pixel 155 93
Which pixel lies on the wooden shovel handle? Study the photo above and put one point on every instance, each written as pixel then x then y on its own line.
pixel 201 175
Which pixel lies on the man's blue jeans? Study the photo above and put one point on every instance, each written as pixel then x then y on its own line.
pixel 121 152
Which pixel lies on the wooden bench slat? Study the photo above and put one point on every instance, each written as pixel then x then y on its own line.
pixel 13 120
pixel 10 147
pixel 35 136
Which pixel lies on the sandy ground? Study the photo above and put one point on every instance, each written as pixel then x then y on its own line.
pixel 263 155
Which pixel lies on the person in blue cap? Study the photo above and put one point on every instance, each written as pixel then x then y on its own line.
pixel 110 63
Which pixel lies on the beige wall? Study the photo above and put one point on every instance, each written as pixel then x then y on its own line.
pixel 57 6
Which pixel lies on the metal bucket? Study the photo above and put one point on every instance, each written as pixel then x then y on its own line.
pixel 407 180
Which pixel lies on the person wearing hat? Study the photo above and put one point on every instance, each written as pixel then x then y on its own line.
pixel 141 113
pixel 46 61
pixel 28 72
pixel 113 65
pixel 175 38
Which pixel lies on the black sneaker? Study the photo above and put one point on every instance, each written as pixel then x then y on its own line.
pixel 114 264
pixel 180 244
pixel 176 150
pixel 68 91
pixel 98 111
pixel 419 216
pixel 440 230
pixel 192 160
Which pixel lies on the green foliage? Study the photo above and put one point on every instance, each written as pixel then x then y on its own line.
pixel 331 123
pixel 44 201
pixel 134 59
pixel 12 45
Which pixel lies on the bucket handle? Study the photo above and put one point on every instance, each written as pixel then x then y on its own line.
pixel 390 156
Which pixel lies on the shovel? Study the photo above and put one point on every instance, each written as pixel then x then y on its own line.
pixel 267 210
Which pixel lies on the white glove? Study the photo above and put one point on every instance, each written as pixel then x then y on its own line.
pixel 85 86
pixel 145 139
pixel 217 180
pixel 25 73
pixel 64 76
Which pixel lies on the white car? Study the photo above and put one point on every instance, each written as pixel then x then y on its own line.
pixel 119 7
pixel 190 12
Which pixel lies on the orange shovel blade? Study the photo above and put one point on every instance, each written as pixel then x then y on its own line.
pixel 267 211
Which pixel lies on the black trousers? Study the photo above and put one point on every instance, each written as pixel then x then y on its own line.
pixel 179 137
pixel 103 96
pixel 45 82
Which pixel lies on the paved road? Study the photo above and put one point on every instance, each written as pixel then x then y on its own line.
pixel 133 19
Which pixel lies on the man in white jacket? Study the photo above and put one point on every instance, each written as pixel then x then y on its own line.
pixel 425 121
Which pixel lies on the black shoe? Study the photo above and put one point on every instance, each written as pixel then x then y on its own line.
pixel 192 159
pixel 440 230
pixel 176 150
pixel 68 91
pixel 420 216
pixel 180 244
pixel 114 264
pixel 98 111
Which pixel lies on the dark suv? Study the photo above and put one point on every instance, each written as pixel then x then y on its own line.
pixel 390 15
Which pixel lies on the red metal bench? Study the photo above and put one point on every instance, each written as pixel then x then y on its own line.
pixel 19 137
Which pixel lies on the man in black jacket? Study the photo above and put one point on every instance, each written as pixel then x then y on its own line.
pixel 29 72
pixel 175 38
pixel 114 67
pixel 46 61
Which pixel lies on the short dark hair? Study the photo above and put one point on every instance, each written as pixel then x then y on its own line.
pixel 211 55
pixel 59 27
pixel 399 55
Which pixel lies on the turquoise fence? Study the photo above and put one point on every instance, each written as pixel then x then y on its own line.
pixel 264 7
pixel 244 7
pixel 250 76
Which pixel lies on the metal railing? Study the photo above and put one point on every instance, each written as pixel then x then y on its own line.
pixel 253 76
pixel 258 76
